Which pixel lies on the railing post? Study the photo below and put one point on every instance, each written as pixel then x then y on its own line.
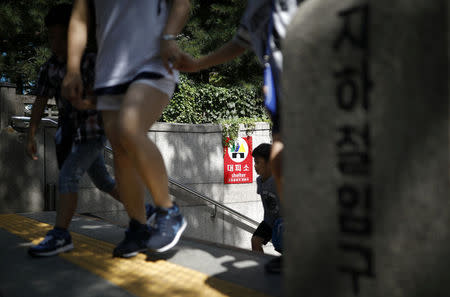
pixel 50 197
pixel 214 212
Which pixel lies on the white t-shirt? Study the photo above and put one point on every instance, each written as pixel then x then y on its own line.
pixel 128 38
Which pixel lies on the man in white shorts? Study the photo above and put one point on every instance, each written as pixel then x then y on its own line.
pixel 134 83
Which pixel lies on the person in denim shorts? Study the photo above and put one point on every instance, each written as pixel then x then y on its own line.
pixel 79 139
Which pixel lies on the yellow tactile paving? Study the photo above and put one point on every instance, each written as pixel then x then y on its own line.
pixel 136 275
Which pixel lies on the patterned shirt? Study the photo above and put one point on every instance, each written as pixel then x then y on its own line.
pixel 87 124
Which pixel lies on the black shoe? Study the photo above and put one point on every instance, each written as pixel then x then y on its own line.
pixel 136 237
pixel 274 266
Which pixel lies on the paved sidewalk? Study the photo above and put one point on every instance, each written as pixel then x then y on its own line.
pixel 191 269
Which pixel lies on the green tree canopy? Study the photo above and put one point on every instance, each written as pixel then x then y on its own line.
pixel 24 46
pixel 23 40
pixel 211 25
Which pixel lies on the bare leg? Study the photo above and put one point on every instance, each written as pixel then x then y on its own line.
pixel 257 243
pixel 142 107
pixel 67 205
pixel 129 184
pixel 137 159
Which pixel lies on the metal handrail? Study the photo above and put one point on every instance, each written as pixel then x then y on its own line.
pixel 171 181
pixel 215 203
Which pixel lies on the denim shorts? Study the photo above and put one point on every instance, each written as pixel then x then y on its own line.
pixel 85 157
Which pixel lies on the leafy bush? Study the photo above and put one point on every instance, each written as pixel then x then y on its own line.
pixel 205 103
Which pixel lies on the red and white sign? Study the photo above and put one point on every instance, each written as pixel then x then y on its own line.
pixel 238 161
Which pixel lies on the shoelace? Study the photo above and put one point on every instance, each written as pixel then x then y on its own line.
pixel 47 238
pixel 161 223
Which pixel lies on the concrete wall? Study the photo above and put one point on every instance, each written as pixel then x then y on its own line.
pixel 21 182
pixel 9 104
pixel 26 185
pixel 367 115
pixel 193 155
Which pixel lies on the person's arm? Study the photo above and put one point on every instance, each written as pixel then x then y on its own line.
pixel 72 86
pixel 36 115
pixel 227 52
pixel 178 16
pixel 90 102
pixel 88 73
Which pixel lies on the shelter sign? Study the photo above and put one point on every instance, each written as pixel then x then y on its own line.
pixel 238 161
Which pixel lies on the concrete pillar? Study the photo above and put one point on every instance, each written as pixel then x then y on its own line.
pixel 8 104
pixel 21 179
pixel 367 149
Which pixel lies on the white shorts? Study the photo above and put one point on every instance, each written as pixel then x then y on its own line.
pixel 114 102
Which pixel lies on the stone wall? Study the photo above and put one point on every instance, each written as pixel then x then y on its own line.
pixel 366 116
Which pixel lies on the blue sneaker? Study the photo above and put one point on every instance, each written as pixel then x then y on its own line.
pixel 135 241
pixel 168 225
pixel 56 241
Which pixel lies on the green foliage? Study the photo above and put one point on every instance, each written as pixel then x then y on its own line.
pixel 211 25
pixel 23 40
pixel 230 127
pixel 184 106
pixel 203 103
pixel 226 94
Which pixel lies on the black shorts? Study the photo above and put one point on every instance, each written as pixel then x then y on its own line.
pixel 264 231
